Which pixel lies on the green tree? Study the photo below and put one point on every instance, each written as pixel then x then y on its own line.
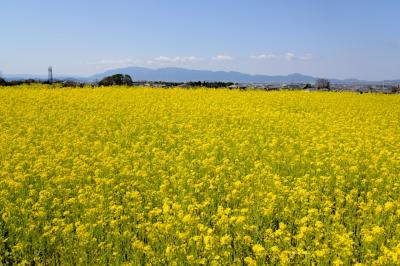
pixel 322 84
pixel 117 79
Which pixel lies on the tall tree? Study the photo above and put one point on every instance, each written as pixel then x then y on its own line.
pixel 322 84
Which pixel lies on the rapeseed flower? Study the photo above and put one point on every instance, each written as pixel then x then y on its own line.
pixel 211 177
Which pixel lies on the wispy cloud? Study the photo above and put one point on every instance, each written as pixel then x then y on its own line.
pixel 264 56
pixel 222 57
pixel 106 64
pixel 289 56
pixel 177 59
pixel 160 61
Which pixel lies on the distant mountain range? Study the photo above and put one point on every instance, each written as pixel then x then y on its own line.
pixel 43 77
pixel 181 75
pixel 173 74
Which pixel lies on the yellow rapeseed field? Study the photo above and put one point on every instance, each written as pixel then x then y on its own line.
pixel 136 176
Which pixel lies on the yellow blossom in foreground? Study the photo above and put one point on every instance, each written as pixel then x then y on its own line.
pixel 142 176
pixel 258 250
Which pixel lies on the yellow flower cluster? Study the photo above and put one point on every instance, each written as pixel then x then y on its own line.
pixel 139 176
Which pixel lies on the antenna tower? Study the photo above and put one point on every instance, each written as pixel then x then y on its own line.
pixel 50 74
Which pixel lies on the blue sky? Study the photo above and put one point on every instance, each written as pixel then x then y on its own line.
pixel 335 39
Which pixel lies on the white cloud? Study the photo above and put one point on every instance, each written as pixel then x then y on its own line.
pixel 264 56
pixel 222 58
pixel 289 56
pixel 178 59
pixel 106 64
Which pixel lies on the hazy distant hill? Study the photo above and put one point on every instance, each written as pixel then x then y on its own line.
pixel 182 75
pixel 43 77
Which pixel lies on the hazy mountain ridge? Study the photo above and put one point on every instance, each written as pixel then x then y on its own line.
pixel 183 75
pixel 173 74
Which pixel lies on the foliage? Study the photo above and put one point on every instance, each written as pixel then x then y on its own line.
pixel 322 84
pixel 198 177
pixel 395 89
pixel 117 79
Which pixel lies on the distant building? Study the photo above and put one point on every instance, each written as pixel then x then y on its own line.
pixel 238 86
